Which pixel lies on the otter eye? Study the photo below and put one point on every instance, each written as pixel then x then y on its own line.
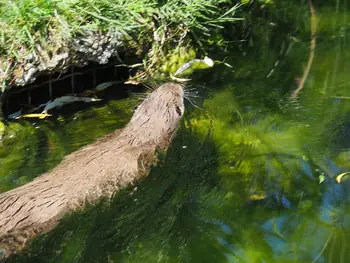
pixel 178 110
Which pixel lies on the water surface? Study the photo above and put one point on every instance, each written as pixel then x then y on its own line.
pixel 250 177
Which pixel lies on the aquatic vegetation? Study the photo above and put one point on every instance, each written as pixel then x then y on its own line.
pixel 172 62
pixel 17 152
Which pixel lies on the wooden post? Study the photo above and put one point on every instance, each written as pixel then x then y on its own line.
pixel 29 98
pixel 72 81
pixel 94 77
pixel 50 86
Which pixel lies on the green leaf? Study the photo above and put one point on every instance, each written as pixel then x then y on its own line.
pixel 340 177
pixel 321 178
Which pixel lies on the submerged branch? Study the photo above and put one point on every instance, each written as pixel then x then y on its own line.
pixel 313 25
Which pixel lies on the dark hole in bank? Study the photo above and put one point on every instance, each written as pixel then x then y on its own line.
pixel 75 81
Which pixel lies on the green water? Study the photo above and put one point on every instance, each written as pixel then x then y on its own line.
pixel 250 177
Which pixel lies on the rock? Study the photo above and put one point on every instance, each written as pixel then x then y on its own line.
pixel 91 46
pixel 97 47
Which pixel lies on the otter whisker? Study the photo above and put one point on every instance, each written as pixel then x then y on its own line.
pixel 194 96
pixel 141 93
pixel 154 85
pixel 193 104
pixel 139 96
pixel 194 90
pixel 193 93
pixel 148 87
pixel 199 86
pixel 151 84
pixel 191 89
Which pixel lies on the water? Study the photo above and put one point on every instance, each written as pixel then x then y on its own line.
pixel 251 178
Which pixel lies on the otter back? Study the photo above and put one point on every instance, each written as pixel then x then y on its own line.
pixel 95 171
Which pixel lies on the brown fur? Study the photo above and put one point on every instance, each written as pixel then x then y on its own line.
pixel 95 171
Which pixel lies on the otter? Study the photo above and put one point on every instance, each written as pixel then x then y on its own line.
pixel 95 171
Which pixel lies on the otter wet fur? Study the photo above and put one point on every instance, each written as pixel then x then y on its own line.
pixel 95 171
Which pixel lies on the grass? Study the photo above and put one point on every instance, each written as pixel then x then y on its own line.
pixel 50 24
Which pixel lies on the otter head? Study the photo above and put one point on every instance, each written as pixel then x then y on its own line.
pixel 158 116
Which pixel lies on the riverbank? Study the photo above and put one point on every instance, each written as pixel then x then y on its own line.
pixel 49 36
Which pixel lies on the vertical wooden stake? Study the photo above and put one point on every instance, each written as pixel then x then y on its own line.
pixel 72 81
pixel 94 77
pixel 50 86
pixel 29 97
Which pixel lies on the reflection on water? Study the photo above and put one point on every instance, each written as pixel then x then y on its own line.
pixel 257 180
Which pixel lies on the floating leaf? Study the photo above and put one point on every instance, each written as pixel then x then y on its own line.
pixel 179 79
pixel 36 115
pixel 208 61
pixel 15 114
pixel 59 102
pixel 256 197
pixel 340 176
pixel 321 178
pixel 227 65
pixel 132 82
pixel 105 85
pixel 185 66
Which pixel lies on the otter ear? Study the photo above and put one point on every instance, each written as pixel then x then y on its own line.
pixel 178 110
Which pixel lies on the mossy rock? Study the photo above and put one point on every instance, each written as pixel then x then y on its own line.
pixel 172 62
